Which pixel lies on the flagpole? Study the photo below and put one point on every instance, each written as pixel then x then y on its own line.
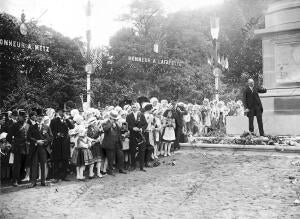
pixel 88 54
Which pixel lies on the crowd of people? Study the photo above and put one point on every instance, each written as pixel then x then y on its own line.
pixel 48 144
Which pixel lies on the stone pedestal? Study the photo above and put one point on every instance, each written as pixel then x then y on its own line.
pixel 281 68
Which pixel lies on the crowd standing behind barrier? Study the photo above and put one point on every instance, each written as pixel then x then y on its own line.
pixel 51 144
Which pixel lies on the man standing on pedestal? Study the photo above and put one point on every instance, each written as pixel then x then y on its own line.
pixel 253 106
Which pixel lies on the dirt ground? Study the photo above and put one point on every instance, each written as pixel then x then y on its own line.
pixel 201 184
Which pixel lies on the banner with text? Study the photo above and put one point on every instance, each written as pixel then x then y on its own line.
pixel 156 61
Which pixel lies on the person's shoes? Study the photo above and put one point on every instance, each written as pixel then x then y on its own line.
pixel 100 175
pixel 143 170
pixel 15 184
pixel 32 185
pixel 26 179
pixel 165 155
pixel 122 171
pixel 55 181
pixel 148 166
pixel 132 168
pixel 82 179
pixel 91 177
pixel 111 173
pixel 44 184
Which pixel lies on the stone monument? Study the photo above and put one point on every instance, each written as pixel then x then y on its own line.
pixel 281 67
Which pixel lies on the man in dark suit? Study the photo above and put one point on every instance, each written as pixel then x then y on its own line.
pixel 253 106
pixel 60 155
pixel 112 143
pixel 137 125
pixel 178 112
pixel 17 138
pixel 39 136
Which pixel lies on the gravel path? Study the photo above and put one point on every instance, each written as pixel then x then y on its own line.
pixel 200 185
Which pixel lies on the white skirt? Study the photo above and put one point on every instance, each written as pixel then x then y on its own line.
pixel 169 134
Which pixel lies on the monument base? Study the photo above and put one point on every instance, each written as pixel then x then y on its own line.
pixel 281 114
pixel 282 111
pixel 275 125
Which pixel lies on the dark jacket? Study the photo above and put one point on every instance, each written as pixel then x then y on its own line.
pixel 140 122
pixel 251 99
pixel 61 139
pixel 35 133
pixel 17 137
pixel 112 136
pixel 178 115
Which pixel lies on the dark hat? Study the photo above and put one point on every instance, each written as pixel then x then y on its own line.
pixel 15 112
pixel 39 112
pixel 147 107
pixel 142 100
pixel 22 113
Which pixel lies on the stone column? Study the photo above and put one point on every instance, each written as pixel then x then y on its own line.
pixel 281 67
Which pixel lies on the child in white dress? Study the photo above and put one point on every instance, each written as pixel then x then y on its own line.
pixel 168 136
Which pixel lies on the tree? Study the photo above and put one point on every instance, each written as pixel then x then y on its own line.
pixel 31 78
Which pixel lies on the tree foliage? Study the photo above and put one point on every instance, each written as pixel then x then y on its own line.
pixel 185 35
pixel 29 78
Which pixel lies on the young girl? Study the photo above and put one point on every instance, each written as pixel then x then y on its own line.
pixel 94 130
pixel 156 133
pixel 125 143
pixel 168 132
pixel 82 155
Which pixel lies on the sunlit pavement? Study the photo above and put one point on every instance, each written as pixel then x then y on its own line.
pixel 199 184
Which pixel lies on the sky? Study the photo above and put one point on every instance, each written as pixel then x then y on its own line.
pixel 68 16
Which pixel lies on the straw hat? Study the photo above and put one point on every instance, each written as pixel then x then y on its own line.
pixel 114 115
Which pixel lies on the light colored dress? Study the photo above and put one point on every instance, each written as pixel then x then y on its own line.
pixel 169 130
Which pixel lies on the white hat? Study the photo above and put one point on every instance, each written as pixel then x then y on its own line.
pixel 164 102
pixel 74 112
pixel 3 135
pixel 153 99
pixel 118 109
pixel 114 115
pixel 110 108
pixel 126 107
pixel 78 119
